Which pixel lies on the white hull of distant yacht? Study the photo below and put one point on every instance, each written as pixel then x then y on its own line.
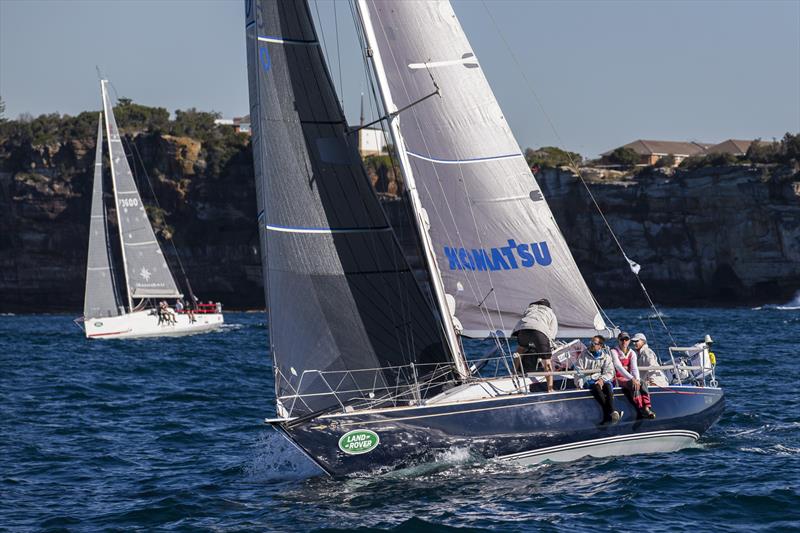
pixel 146 324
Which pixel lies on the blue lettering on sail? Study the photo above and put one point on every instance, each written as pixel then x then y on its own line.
pixel 512 256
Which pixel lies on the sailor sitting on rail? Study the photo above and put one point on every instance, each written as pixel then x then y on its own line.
pixel 594 370
pixel 628 378
pixel 647 357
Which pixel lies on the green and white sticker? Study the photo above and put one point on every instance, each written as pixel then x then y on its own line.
pixel 359 441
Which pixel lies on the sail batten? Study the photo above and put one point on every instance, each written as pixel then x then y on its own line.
pixel 496 242
pixel 147 274
pixel 341 298
pixel 100 299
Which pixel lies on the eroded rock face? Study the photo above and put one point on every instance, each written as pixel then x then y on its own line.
pixel 718 235
pixel 714 235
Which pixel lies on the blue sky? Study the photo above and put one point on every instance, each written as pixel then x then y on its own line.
pixel 606 73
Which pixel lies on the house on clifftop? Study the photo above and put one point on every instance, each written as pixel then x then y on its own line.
pixel 650 152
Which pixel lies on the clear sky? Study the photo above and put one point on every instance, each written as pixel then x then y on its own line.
pixel 605 72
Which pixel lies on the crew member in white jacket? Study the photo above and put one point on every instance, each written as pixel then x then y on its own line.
pixel 535 333
pixel 594 370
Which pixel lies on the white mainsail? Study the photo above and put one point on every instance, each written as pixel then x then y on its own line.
pixel 100 299
pixel 146 271
pixel 496 242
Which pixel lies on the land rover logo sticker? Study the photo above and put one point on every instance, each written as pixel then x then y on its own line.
pixel 98 324
pixel 359 441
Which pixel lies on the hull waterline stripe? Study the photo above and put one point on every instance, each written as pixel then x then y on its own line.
pixel 98 268
pixel 597 442
pixel 324 231
pixel 463 161
pixel 279 40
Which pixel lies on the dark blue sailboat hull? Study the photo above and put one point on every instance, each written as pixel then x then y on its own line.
pixel 525 428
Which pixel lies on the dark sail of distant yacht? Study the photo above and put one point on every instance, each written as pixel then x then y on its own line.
pixel 370 370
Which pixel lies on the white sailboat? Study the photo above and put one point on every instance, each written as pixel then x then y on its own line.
pixel 147 277
pixel 370 369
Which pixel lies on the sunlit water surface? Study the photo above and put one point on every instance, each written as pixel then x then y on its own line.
pixel 167 434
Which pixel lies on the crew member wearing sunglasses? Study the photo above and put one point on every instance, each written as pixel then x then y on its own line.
pixel 594 370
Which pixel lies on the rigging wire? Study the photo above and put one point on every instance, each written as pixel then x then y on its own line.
pixel 574 167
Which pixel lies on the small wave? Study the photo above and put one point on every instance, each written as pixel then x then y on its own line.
pixel 776 449
pixel 792 305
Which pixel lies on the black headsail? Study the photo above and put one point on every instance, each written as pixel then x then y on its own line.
pixel 340 294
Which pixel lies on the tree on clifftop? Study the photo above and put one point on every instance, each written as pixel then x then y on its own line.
pixel 551 157
pixel 624 156
pixel 2 110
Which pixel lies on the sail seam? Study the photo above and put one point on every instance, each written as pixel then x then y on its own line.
pixel 462 161
pixel 288 229
pixel 281 40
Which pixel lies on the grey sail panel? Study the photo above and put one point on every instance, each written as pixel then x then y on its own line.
pixel 100 299
pixel 340 295
pixel 146 269
pixel 496 241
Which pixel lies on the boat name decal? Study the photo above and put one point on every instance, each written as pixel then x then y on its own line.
pixel 509 257
pixel 359 441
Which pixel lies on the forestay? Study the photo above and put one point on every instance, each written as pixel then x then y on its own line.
pixel 101 297
pixel 496 242
pixel 341 297
pixel 146 270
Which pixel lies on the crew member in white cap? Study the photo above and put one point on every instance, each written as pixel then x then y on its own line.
pixel 647 357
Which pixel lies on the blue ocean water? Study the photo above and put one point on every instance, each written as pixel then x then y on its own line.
pixel 167 435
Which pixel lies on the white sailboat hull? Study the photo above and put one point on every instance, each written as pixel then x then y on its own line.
pixel 146 324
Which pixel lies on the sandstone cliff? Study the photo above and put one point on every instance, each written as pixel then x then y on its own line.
pixel 709 236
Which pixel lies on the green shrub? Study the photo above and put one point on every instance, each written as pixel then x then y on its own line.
pixel 551 157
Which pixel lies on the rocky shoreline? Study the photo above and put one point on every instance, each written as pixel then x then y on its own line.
pixel 709 236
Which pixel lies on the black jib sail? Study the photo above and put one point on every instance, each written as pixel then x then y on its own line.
pixel 341 298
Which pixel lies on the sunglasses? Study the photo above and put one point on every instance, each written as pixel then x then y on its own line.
pixel 597 344
pixel 623 339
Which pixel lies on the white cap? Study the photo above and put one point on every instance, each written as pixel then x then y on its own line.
pixel 639 337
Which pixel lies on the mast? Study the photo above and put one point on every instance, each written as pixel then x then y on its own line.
pixel 334 263
pixel 106 105
pixel 420 215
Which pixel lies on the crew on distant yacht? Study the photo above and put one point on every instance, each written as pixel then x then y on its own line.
pixel 625 363
pixel 165 313
pixel 535 333
pixel 594 370
pixel 647 357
